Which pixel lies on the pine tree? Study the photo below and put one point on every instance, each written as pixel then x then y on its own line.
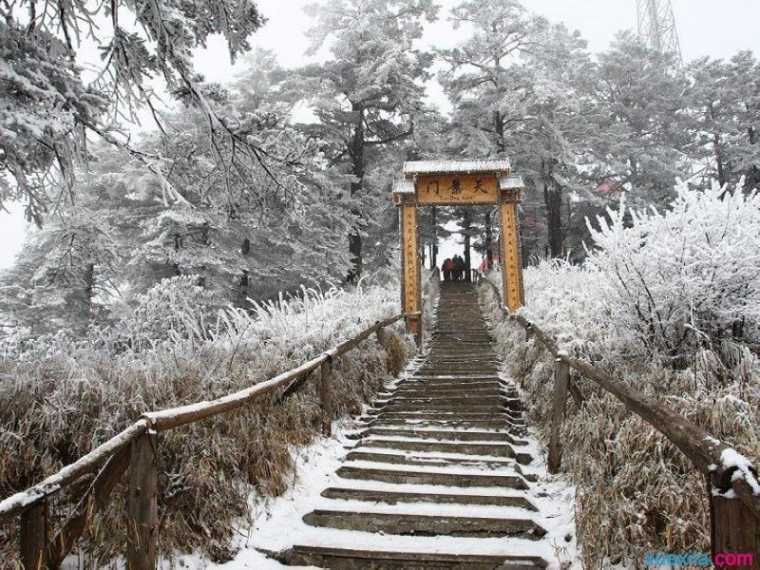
pixel 724 99
pixel 514 88
pixel 48 109
pixel 366 96
pixel 639 133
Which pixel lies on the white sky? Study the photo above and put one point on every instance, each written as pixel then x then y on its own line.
pixel 706 27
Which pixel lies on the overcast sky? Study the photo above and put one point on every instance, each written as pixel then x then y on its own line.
pixel 706 27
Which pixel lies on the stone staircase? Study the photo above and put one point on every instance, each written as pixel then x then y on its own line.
pixel 438 469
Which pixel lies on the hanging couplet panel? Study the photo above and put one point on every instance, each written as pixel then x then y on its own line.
pixel 411 293
pixel 454 189
pixel 511 260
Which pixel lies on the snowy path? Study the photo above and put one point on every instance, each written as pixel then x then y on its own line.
pixel 439 473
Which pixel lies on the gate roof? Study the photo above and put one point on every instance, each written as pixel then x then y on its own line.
pixel 501 166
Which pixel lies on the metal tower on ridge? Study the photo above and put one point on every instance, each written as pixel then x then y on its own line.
pixel 657 26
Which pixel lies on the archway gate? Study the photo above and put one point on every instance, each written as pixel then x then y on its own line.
pixel 457 183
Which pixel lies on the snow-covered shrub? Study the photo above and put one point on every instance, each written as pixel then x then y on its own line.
pixel 658 289
pixel 61 397
pixel 175 308
pixel 681 279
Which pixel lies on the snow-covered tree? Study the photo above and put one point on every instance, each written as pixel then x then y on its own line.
pixel 638 133
pixel 514 88
pixel 724 101
pixel 366 95
pixel 49 106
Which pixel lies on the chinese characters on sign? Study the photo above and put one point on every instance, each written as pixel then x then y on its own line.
pixel 411 264
pixel 457 189
pixel 512 274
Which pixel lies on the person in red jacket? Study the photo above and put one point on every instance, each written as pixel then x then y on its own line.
pixel 448 268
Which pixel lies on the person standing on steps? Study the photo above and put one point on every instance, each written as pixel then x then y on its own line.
pixel 459 267
pixel 448 268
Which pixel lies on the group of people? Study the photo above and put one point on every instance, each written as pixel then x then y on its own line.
pixel 454 269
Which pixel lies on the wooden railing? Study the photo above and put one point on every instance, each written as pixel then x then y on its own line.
pixel 733 490
pixel 135 450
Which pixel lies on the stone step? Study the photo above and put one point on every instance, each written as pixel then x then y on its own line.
pixel 392 498
pixel 494 408
pixel 442 416
pixel 431 478
pixel 440 435
pixel 436 391
pixel 424 394
pixel 458 370
pixel 425 525
pixel 347 559
pixel 434 399
pixel 442 405
pixel 397 459
pixel 493 450
pixel 444 423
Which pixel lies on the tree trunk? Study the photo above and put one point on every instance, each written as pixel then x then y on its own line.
pixel 88 294
pixel 357 158
pixel 467 223
pixel 489 240
pixel 553 202
pixel 498 127
pixel 719 160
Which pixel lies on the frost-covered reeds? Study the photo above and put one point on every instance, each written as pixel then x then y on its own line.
pixel 60 397
pixel 667 302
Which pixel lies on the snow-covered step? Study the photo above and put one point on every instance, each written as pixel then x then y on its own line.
pixel 394 497
pixel 438 435
pixel 388 456
pixel 350 559
pixel 496 450
pixel 434 461
pixel 425 525
pixel 433 478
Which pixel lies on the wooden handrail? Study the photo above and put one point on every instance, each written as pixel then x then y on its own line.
pixel 175 417
pixel 19 502
pixel 171 418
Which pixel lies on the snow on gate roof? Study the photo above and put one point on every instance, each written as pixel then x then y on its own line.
pixel 456 166
pixel 403 186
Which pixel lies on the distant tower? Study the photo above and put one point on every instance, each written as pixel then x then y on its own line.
pixel 657 26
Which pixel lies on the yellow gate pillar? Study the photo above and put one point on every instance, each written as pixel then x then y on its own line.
pixel 411 290
pixel 510 188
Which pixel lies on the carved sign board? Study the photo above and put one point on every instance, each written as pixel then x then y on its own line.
pixel 514 296
pixel 411 292
pixel 454 189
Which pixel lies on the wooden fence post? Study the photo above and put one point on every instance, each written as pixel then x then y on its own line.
pixel 561 381
pixel 33 536
pixel 381 337
pixel 142 504
pixel 735 529
pixel 325 403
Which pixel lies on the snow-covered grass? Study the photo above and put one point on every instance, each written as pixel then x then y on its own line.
pixel 668 303
pixel 61 397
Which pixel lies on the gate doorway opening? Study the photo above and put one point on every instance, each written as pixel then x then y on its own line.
pixel 457 183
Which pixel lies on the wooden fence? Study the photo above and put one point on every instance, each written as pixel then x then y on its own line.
pixel 135 450
pixel 732 490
